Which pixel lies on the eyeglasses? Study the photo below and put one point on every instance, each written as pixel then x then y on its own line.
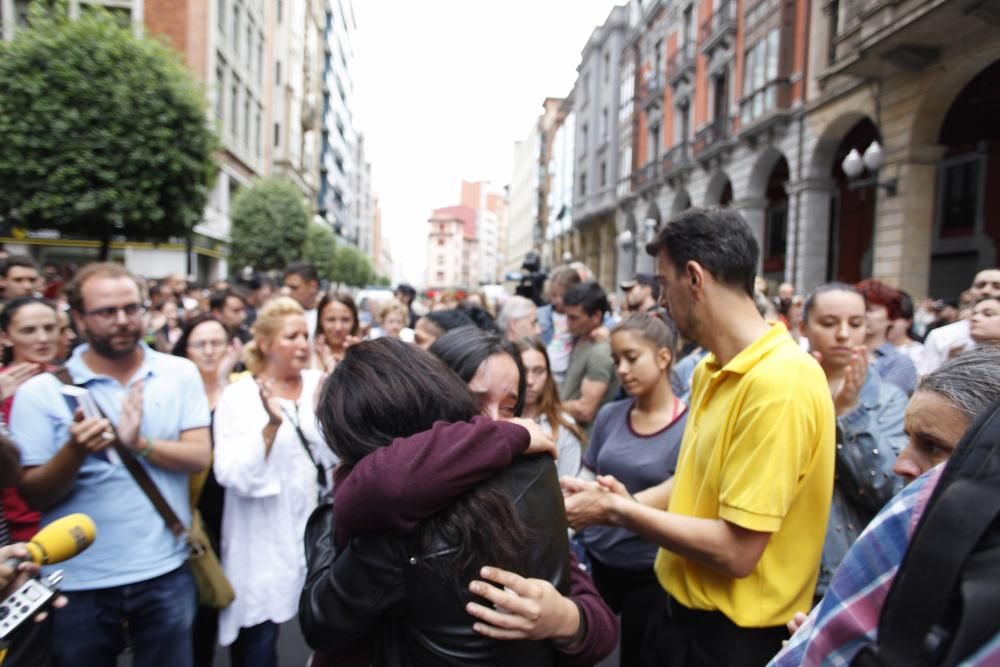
pixel 202 345
pixel 132 311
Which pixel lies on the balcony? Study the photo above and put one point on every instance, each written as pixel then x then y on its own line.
pixel 646 176
pixel 680 65
pixel 676 160
pixel 651 91
pixel 765 109
pixel 713 139
pixel 878 38
pixel 720 28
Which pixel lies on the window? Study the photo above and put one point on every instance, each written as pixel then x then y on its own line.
pixel 605 123
pixel 260 60
pixel 584 132
pixel 440 277
pixel 279 12
pixel 687 42
pixel 607 67
pixel 249 52
pixel 257 129
pixel 236 28
pixel 277 72
pixel 234 105
pixel 440 241
pixel 760 74
pixel 583 184
pixel 220 90
pixel 777 232
pixel 246 119
pixel 604 173
pixel 440 260
pixel 220 9
pixel 961 181
pixel 277 134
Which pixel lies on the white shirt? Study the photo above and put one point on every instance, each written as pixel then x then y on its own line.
pixel 311 315
pixel 940 343
pixel 268 501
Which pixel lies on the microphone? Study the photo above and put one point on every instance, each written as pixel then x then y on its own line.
pixel 60 540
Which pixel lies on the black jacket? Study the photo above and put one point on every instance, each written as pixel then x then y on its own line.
pixel 405 600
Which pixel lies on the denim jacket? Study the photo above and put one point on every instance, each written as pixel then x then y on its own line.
pixel 868 440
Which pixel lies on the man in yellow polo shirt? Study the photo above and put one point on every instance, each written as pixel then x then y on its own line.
pixel 741 524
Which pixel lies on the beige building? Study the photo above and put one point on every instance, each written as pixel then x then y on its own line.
pixel 452 248
pixel 922 79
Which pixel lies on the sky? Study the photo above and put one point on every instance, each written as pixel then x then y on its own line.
pixel 443 89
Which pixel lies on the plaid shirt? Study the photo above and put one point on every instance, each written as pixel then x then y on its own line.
pixel 847 617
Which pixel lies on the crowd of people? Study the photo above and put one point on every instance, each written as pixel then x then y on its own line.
pixel 688 477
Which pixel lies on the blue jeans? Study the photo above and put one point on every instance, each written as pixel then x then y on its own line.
pixel 154 616
pixel 256 646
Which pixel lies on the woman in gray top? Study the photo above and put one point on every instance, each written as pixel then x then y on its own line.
pixel 637 440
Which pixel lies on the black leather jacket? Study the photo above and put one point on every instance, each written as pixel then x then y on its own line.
pixel 404 599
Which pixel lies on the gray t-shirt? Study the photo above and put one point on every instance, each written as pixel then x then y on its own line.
pixel 568 446
pixel 590 361
pixel 638 462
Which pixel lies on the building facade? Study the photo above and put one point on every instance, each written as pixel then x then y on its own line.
pixel 757 104
pixel 452 248
pixel 523 211
pixel 340 147
pixel 596 146
pixel 489 204
pixel 559 208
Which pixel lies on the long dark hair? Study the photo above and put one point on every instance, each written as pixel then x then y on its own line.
pixel 549 403
pixel 385 389
pixel 464 350
pixel 7 314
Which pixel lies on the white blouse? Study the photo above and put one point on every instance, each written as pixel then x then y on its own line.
pixel 268 501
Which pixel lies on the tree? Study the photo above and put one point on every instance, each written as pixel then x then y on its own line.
pixel 320 250
pixel 101 133
pixel 269 220
pixel 353 267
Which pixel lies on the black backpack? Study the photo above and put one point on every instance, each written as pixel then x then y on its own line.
pixel 944 603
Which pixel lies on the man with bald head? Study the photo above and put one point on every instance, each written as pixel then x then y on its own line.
pixel 953 339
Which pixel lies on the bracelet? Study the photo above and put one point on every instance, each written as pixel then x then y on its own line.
pixel 146 451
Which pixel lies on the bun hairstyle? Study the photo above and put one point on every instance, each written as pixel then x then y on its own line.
pixel 266 327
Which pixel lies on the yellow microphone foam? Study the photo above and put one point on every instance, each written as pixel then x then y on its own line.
pixel 62 539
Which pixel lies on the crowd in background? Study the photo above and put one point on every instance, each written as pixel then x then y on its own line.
pixel 242 397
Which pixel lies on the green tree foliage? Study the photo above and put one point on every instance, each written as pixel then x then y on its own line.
pixel 101 133
pixel 320 250
pixel 269 220
pixel 353 267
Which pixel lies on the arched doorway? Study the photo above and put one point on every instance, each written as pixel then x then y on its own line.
pixel 719 191
pixel 852 212
pixel 681 203
pixel 967 212
pixel 775 245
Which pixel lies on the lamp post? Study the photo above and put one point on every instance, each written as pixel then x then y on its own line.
pixel 855 164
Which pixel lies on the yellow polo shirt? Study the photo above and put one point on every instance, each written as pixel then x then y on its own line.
pixel 758 452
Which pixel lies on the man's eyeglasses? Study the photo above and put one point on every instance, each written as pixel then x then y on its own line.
pixel 132 311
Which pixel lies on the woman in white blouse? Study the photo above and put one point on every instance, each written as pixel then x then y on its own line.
pixel 274 466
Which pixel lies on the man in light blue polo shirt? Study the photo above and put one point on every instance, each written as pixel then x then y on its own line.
pixel 134 578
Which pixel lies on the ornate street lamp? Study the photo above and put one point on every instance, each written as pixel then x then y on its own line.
pixel 855 164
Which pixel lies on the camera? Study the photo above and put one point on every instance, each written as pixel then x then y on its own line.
pixel 532 280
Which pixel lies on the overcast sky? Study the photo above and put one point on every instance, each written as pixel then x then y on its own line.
pixel 443 89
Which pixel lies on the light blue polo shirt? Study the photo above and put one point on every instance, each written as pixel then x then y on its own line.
pixel 133 543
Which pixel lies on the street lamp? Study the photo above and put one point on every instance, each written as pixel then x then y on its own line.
pixel 625 239
pixel 854 165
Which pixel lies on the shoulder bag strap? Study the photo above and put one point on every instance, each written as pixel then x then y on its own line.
pixel 138 472
pixel 320 471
